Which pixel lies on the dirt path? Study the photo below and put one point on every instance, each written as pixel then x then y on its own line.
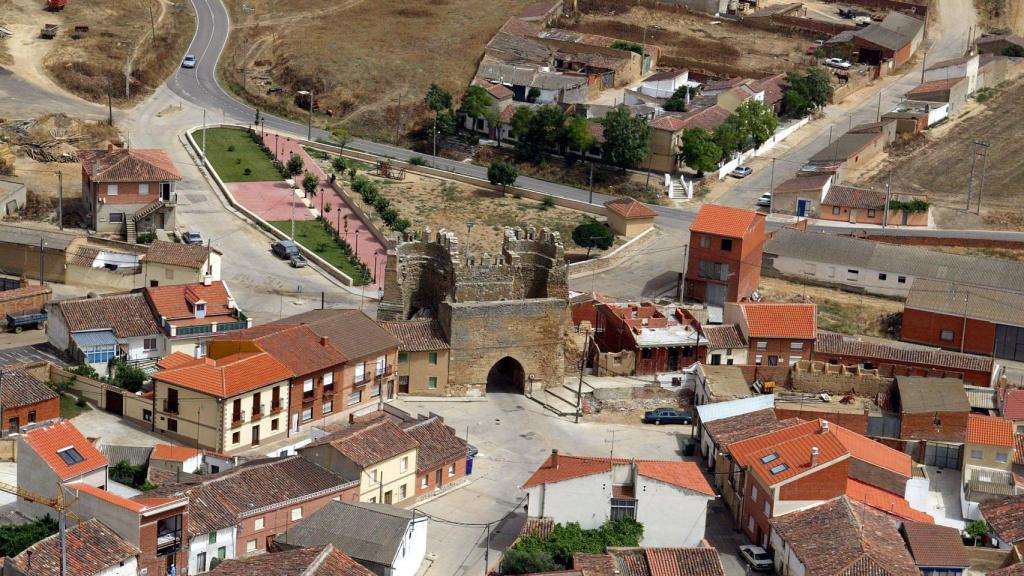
pixel 148 34
pixel 27 50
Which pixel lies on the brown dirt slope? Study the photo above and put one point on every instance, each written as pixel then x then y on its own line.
pixel 1001 15
pixel 360 56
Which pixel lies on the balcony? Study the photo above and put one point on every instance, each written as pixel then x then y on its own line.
pixel 363 380
pixel 276 407
pixel 171 407
pixel 258 411
pixel 329 391
pixel 238 419
pixel 386 372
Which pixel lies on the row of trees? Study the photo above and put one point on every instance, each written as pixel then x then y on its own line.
pixel 750 126
pixel 806 92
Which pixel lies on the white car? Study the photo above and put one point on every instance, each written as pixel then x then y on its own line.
pixel 756 556
pixel 838 63
pixel 189 61
pixel 765 199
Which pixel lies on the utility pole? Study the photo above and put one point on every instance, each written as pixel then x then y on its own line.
pixel 110 103
pixel 398 117
pixel 434 162
pixel 42 263
pixel 487 550
pixel 984 164
pixel 60 199
pixel 591 200
pixel 291 200
pixel 309 118
pixel 583 366
pixel 888 197
pixel 878 113
pixel 771 188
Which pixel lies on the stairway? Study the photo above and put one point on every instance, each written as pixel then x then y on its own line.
pixel 130 231
pixel 148 209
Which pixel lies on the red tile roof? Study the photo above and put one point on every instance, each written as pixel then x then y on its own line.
pixel 228 376
pixel 371 443
pixel 499 91
pixel 19 388
pixel 175 360
pixel 135 165
pixel 1018 451
pixel 296 346
pixel 724 221
pixel 885 501
pixel 804 183
pixel 192 256
pixel 321 561
pixel 867 450
pixel 842 345
pixel 1006 517
pixel 780 320
pixel 935 546
pixel 108 497
pixel 1013 405
pixel 989 430
pixel 127 315
pixel 653 562
pixel 682 474
pixel 934 86
pixel 1014 570
pixel 416 335
pixel 46 441
pixel 743 451
pixel 851 197
pixel 630 208
pixel 94 548
pixel 176 302
pixel 173 453
pixel 795 456
pixel 438 444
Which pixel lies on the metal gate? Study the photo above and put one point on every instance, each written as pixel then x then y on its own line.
pixel 114 402
pixel 715 294
pixel 1009 342
pixel 942 455
pixel 884 426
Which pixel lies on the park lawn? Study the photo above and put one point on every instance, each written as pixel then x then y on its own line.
pixel 69 407
pixel 231 165
pixel 311 234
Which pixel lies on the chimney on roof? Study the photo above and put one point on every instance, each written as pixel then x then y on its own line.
pixel 554 458
pixel 352 418
pixel 814 456
pixel 207 280
pixel 198 351
pixel 324 340
pixel 824 426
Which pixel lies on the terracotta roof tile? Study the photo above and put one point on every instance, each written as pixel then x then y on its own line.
pixel 173 453
pixel 127 315
pixel 95 549
pixel 539 527
pixel 175 360
pixel 743 450
pixel 936 546
pixel 108 497
pixel 792 457
pixel 723 337
pixel 630 208
pixel 499 91
pixel 351 331
pixel 780 320
pixel 682 474
pixel 136 165
pixel 844 538
pixel 228 376
pixel 989 430
pixel 24 292
pixel 1014 570
pixel 438 444
pixel 416 335
pixel 684 562
pixel 934 86
pixel 320 561
pixel 851 197
pixel 1013 405
pixel 1018 449
pixel 298 347
pixel 726 431
pixel 804 183
pixel 177 254
pixel 175 302
pixel 1006 517
pixel 594 564
pixel 841 345
pixel 708 118
pixel 867 450
pixel 370 443
pixel 46 441
pixel 724 221
pixel 884 501
pixel 19 388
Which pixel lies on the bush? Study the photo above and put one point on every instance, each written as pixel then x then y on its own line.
pixel 231 148
pixel 80 402
pixel 339 165
pixel 527 562
pixel 417 161
pixel 238 161
pixel 247 171
pixel 85 370
pixel 593 234
pixel 128 377
pixel 125 473
pixel 294 165
pixel 568 539
pixel 146 238
pixel 14 538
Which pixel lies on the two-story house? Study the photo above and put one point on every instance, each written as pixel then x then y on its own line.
pixel 988 463
pixel 51 455
pixel 776 333
pixel 378 452
pixel 440 456
pixel 422 356
pixel 97 330
pixel 593 490
pixel 191 314
pixel 724 263
pixel 234 398
pixel 128 191
pixel 179 263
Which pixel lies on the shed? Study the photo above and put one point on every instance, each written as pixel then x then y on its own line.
pixel 629 217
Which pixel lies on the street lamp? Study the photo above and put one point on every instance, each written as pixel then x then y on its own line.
pixel 469 234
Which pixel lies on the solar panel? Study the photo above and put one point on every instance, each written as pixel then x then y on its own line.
pixel 778 468
pixel 769 458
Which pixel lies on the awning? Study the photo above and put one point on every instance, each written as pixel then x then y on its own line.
pixel 97 339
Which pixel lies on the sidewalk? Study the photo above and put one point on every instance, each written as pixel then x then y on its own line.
pixel 370 252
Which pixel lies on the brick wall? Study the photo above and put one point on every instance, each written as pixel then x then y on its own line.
pixel 926 327
pixel 157 565
pixel 890 369
pixel 24 299
pixel 952 426
pixel 431 476
pixel 277 522
pixel 45 410
pixel 781 348
pixel 815 377
pixel 827 483
pixel 855 422
pixel 878 477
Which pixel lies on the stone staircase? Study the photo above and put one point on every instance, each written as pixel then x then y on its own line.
pixel 148 209
pixel 131 232
pixel 563 400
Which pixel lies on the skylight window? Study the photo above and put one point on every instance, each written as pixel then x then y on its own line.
pixel 769 458
pixel 778 468
pixel 70 456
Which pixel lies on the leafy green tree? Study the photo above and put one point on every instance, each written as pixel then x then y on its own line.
pixel 577 134
pixel 476 102
pixel 309 183
pixel 446 124
pixel 503 173
pixel 758 121
pixel 803 93
pixel 700 151
pixel 125 473
pixel 538 131
pixel 131 378
pixel 15 538
pixel 978 529
pixel 729 136
pixel 339 165
pixel 86 370
pixel 819 87
pixel 593 234
pixel 1014 51
pixel 437 99
pixel 294 165
pixel 628 46
pixel 626 138
pixel 341 136
pixel 532 94
pixel 568 539
pixel 527 562
pixel 519 125
pixel 677 101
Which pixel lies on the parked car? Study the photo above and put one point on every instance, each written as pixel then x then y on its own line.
pixel 741 172
pixel 765 199
pixel 757 557
pixel 667 416
pixel 189 61
pixel 838 63
pixel 288 250
pixel 192 237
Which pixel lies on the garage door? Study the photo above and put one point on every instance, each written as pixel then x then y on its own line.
pixel 942 455
pixel 1009 342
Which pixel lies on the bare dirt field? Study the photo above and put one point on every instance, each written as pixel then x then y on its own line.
pixel 838 311
pixel 694 41
pixel 359 56
pixel 939 166
pixel 1001 15
pixel 119 38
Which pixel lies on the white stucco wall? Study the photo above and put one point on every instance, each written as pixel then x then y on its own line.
pixel 737 356
pixel 917 495
pixel 201 543
pixel 672 516
pixel 137 351
pixel 586 500
pixel 130 568
pixel 414 548
pixel 786 563
pixel 838 274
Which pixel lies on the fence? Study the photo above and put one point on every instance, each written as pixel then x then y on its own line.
pixel 780 135
pixel 615 257
pixel 106 397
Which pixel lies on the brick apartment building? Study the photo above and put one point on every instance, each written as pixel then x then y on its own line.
pixel 26 399
pixel 776 333
pixel 724 262
pixel 933 414
pixel 657 340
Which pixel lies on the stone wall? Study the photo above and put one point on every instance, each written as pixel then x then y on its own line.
pixel 817 377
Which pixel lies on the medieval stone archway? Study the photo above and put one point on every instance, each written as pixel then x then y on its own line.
pixel 507 376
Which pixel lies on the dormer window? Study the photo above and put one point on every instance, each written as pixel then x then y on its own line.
pixel 200 309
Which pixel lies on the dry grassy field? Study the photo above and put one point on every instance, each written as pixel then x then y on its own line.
pixel 1001 15
pixel 838 311
pixel 360 56
pixel 694 41
pixel 119 38
pixel 939 166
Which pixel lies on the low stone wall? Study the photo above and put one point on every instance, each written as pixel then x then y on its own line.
pixel 8 450
pixel 836 379
pixel 615 257
pixel 96 392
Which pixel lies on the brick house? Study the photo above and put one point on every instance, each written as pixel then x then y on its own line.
pixel 776 333
pixel 191 314
pixel 659 340
pixel 51 456
pixel 236 513
pixel 724 262
pixel 316 367
pixel 855 205
pixel 422 356
pixel 128 191
pixel 369 376
pixel 933 412
pixel 97 551
pixel 25 399
pixel 440 457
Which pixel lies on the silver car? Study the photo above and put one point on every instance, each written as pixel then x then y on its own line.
pixel 757 557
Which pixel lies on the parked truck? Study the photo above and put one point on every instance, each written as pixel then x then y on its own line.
pixel 20 321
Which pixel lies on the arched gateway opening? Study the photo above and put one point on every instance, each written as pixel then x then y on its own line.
pixel 507 376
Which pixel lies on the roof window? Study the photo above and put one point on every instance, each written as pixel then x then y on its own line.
pixel 70 456
pixel 778 468
pixel 769 458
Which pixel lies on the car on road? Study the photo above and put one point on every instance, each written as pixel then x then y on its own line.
pixel 757 557
pixel 741 172
pixel 189 61
pixel 192 237
pixel 288 250
pixel 667 416
pixel 838 63
pixel 765 199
